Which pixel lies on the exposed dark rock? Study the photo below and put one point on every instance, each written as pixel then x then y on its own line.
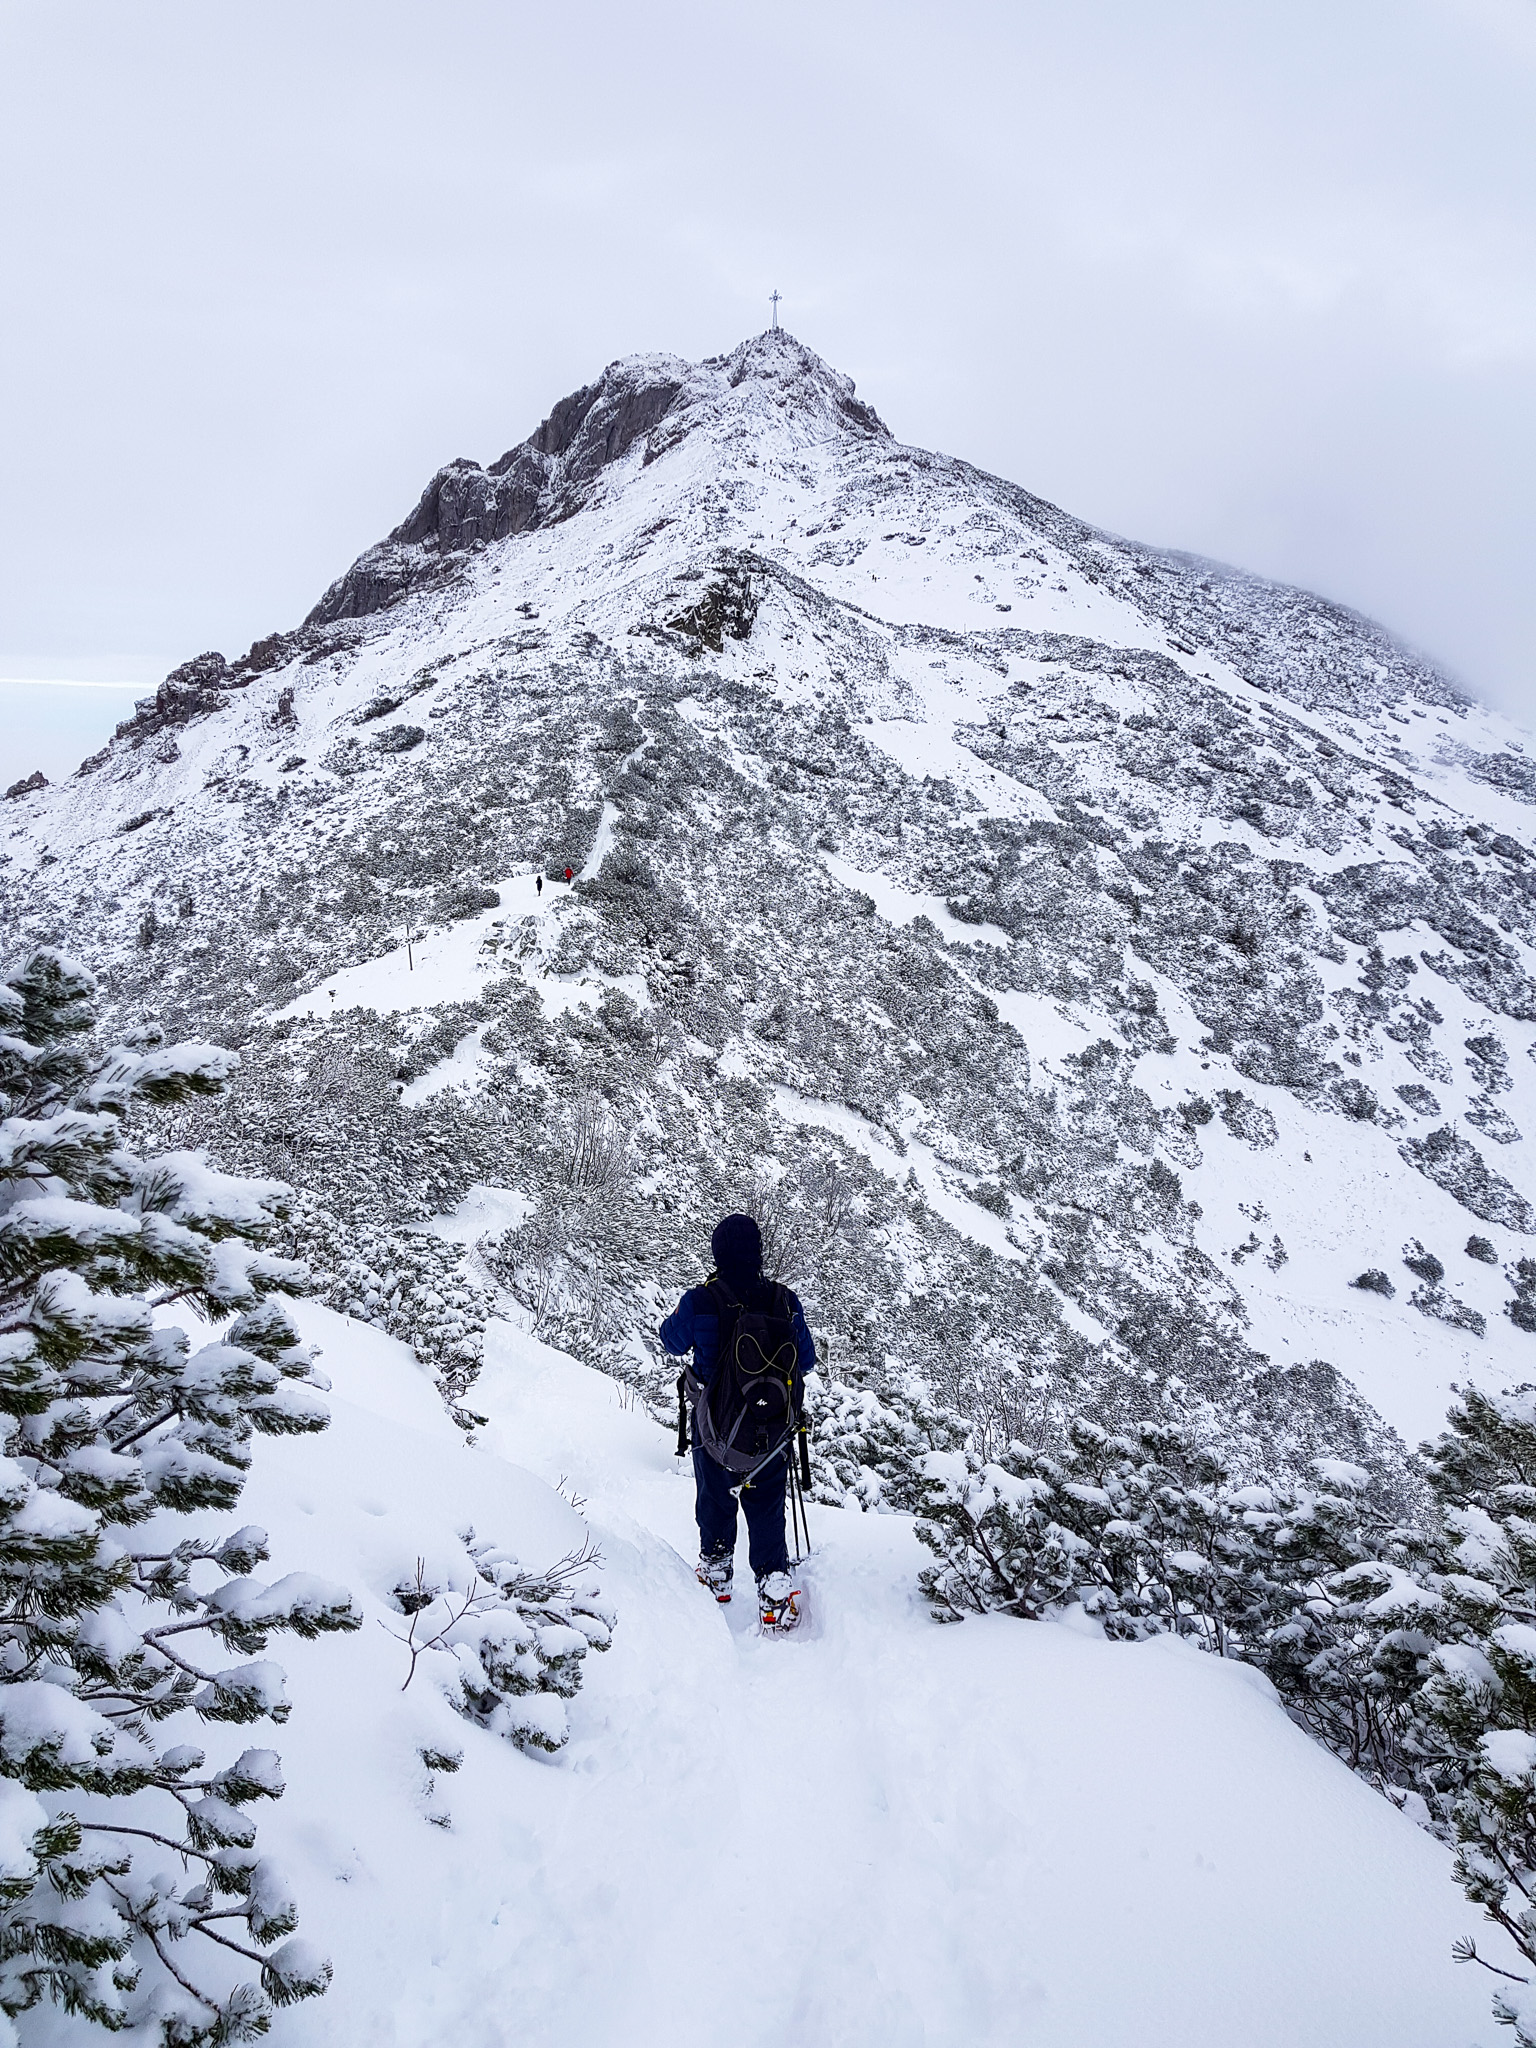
pixel 268 653
pixel 726 606
pixel 36 780
pixel 191 691
pixel 542 479
pixel 552 474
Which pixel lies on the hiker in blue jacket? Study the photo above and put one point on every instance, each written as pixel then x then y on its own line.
pixel 735 1310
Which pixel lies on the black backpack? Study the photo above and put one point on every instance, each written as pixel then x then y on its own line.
pixel 750 1408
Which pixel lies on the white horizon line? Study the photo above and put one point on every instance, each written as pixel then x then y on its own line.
pixel 68 683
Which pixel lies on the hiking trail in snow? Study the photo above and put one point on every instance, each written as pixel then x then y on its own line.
pixel 875 1831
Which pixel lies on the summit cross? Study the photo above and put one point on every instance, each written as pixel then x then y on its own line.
pixel 773 300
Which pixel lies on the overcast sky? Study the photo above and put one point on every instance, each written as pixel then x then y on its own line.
pixel 1250 279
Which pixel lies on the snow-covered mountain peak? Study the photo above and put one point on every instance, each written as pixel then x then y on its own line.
pixel 769 397
pixel 762 464
pixel 893 795
pixel 797 379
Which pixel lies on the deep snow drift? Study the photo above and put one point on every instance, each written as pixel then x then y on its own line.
pixel 879 1832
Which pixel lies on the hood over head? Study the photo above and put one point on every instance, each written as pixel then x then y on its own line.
pixel 737 1245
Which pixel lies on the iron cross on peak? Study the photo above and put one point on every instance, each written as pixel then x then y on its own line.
pixel 773 300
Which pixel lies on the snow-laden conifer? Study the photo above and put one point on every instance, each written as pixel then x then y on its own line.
pixel 1479 1702
pixel 513 1639
pixel 132 1892
pixel 1409 1649
pixel 865 1439
pixel 1150 1532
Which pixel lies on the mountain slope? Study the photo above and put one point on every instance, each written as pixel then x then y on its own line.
pixel 1091 960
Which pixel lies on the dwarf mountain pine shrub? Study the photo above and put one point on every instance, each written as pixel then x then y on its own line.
pixel 517 1637
pixel 132 1893
pixel 1477 1705
pixel 1374 1281
pixel 1147 1529
pixel 1409 1649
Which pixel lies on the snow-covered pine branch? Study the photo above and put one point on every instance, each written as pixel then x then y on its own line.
pixel 111 1625
pixel 512 1640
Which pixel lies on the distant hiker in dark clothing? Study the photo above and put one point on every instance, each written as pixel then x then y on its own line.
pixel 538 885
pixel 745 1391
pixel 569 873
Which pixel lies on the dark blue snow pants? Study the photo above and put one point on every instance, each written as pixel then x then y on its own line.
pixel 762 1502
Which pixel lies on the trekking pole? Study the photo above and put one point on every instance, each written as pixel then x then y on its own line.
pixel 798 1525
pixel 682 1419
pixel 803 1537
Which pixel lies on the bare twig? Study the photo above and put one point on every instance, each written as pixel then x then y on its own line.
pixel 1464 1950
pixel 528 1585
pixel 475 1600
pixel 101 1827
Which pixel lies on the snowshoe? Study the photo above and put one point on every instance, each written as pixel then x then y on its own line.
pixel 778 1599
pixel 715 1573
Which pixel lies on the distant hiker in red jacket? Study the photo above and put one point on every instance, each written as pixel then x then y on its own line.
pixel 569 873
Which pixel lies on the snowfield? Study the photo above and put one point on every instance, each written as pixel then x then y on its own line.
pixel 879 1832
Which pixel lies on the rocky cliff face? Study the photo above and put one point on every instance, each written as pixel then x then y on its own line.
pixel 551 475
pixel 1093 961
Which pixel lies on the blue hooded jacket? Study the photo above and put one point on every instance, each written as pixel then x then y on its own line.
pixel 694 1325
